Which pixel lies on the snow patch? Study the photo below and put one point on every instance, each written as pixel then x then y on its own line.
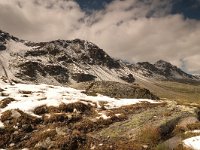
pixel 117 115
pixel 1 125
pixel 28 97
pixel 103 116
pixel 193 143
pixel 193 131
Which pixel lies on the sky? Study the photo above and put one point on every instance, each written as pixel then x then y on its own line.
pixel 132 30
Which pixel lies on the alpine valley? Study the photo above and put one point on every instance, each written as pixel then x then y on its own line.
pixel 70 94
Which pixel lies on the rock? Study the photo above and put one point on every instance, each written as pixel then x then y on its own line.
pixel 198 114
pixel 15 114
pixel 36 53
pixel 186 121
pixel 62 131
pixel 6 36
pixel 117 90
pixel 129 78
pixel 1 90
pixel 81 77
pixel 171 143
pixel 29 71
pixel 46 144
pixel 2 47
pixel 41 110
pixel 4 94
pixel 27 128
pixel 25 92
pixel 169 126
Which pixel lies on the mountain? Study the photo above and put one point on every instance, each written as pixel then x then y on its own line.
pixel 163 70
pixel 88 100
pixel 197 76
pixel 63 62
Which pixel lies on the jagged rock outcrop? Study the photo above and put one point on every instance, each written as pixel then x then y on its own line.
pixel 117 90
pixel 129 78
pixel 30 70
pixel 77 50
pixel 2 47
pixel 4 36
pixel 149 70
pixel 73 59
pixel 81 77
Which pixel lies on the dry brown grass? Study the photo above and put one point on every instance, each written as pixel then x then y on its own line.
pixel 4 102
pixel 194 126
pixel 149 135
pixel 79 120
pixel 53 117
pixel 179 130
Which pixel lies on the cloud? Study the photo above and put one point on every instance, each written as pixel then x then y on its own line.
pixel 40 19
pixel 133 30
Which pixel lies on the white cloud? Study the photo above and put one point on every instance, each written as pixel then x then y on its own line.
pixel 130 29
pixel 193 66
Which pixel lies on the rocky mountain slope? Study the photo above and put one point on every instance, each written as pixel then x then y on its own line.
pixel 163 70
pixel 73 95
pixel 67 62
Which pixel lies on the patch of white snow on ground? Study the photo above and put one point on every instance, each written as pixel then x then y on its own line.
pixel 1 125
pixel 28 97
pixel 103 116
pixel 193 131
pixel 193 143
pixel 117 115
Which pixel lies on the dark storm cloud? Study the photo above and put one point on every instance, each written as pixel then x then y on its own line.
pixel 132 30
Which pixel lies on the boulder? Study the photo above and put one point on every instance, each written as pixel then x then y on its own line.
pixel 2 47
pixel 81 77
pixel 129 78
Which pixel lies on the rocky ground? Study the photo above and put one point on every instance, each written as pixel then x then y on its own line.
pixel 62 128
pixel 91 122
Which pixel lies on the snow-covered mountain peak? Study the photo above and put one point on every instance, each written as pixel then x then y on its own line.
pixel 161 63
pixel 6 36
pixel 163 70
pixel 69 61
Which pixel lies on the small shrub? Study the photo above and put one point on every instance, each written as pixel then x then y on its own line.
pixel 194 126
pixel 149 135
pixel 4 102
pixel 179 130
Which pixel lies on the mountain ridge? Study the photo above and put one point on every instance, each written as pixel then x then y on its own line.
pixel 98 102
pixel 70 61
